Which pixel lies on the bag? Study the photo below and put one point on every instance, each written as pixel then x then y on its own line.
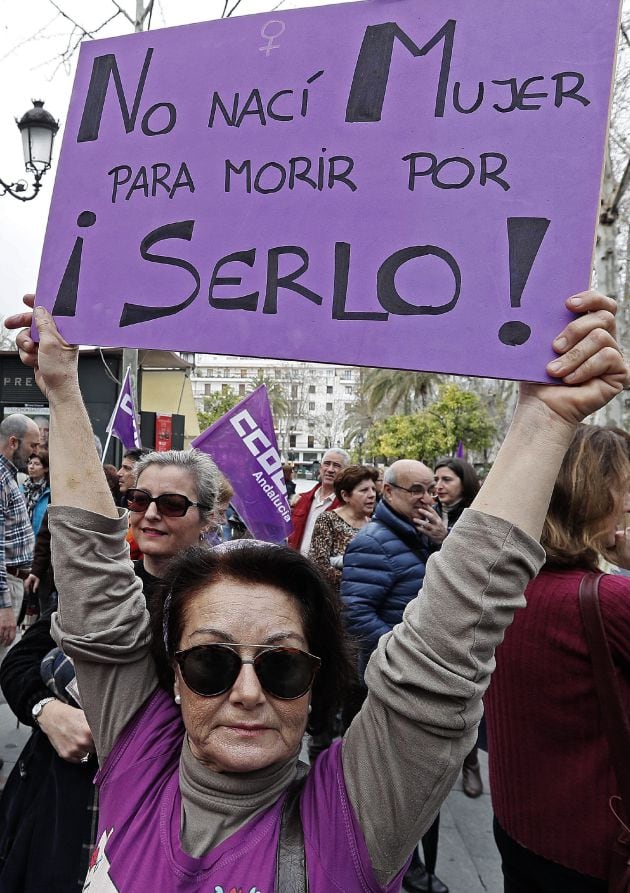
pixel 291 873
pixel 616 727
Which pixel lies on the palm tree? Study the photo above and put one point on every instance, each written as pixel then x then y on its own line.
pixel 275 392
pixel 387 391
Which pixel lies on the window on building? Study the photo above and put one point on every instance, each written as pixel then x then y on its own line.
pixel 207 389
pixel 329 407
pixel 329 389
pixel 295 391
pixel 244 373
pixel 241 390
pixel 346 374
pixel 348 389
pixel 292 439
pixel 311 407
pixel 310 441
pixel 225 389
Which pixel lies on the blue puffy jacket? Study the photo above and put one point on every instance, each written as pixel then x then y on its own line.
pixel 383 570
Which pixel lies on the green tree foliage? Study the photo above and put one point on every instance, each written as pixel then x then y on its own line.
pixel 215 406
pixel 275 392
pixel 436 431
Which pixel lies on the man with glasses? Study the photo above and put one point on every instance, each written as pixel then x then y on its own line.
pixel 383 569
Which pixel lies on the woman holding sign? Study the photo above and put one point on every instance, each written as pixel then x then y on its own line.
pixel 200 789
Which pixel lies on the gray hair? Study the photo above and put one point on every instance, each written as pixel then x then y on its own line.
pixel 338 452
pixel 15 425
pixel 389 475
pixel 197 464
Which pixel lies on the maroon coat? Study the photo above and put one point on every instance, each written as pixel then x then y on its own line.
pixel 550 770
pixel 300 512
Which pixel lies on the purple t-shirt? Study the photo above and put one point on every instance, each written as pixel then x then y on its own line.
pixel 138 848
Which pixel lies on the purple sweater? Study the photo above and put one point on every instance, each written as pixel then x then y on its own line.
pixel 144 854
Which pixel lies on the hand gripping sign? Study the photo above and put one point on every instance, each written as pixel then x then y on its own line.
pixel 410 184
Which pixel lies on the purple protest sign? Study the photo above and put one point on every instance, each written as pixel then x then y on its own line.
pixel 123 421
pixel 243 445
pixel 375 183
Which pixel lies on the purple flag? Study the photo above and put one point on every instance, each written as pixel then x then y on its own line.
pixel 123 421
pixel 460 450
pixel 243 445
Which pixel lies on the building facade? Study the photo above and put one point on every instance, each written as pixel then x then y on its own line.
pixel 316 402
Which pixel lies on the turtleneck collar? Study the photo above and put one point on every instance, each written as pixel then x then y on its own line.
pixel 216 804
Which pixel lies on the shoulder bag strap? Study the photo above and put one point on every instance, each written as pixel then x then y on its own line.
pixel 291 876
pixel 615 720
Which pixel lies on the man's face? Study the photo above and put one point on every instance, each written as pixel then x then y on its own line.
pixel 332 464
pixel 44 430
pixel 418 478
pixel 125 474
pixel 26 447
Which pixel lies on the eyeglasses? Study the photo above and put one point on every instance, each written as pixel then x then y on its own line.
pixel 416 489
pixel 171 505
pixel 211 670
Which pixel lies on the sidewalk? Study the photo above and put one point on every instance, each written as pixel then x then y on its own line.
pixel 468 861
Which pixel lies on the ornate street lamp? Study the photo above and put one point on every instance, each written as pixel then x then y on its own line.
pixel 360 442
pixel 38 129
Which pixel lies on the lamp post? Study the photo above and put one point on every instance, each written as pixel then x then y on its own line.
pixel 38 129
pixel 360 442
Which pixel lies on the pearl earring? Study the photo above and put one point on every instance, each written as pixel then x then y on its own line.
pixel 310 708
pixel 178 699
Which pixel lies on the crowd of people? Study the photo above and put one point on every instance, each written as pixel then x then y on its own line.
pixel 183 682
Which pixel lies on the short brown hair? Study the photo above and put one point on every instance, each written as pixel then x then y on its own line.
pixel 351 476
pixel 225 490
pixel 589 490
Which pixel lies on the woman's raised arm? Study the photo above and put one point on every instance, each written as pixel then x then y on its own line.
pixel 426 678
pixel 76 475
pixel 102 621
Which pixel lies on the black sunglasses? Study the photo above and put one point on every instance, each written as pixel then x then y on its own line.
pixel 284 673
pixel 171 505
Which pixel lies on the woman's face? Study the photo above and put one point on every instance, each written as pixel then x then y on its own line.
pixel 448 487
pixel 618 520
pixel 156 535
pixel 362 498
pixel 36 470
pixel 244 729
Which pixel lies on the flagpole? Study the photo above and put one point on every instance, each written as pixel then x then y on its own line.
pixel 107 443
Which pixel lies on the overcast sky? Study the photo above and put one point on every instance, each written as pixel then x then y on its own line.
pixel 33 37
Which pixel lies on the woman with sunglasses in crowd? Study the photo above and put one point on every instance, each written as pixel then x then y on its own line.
pixel 199 786
pixel 51 785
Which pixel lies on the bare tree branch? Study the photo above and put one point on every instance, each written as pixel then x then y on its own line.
pixel 147 12
pixel 65 15
pixel 124 12
pixel 36 36
pixel 236 6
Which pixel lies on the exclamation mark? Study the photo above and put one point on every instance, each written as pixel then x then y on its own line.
pixel 525 236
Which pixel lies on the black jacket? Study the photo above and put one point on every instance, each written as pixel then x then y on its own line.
pixel 48 805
